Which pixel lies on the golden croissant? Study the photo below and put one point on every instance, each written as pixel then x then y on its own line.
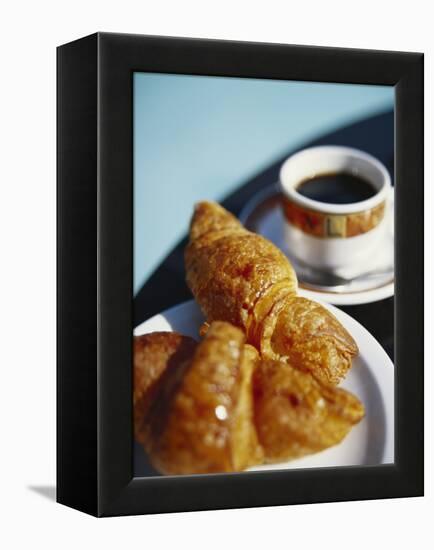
pixel 242 278
pixel 201 416
pixel 218 407
pixel 296 414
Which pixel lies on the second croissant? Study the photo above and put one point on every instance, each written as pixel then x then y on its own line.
pixel 217 407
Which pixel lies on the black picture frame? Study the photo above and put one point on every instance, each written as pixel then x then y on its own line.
pixel 95 260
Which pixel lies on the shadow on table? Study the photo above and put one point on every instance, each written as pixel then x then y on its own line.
pixel 47 491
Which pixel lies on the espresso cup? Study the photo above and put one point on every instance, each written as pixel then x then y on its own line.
pixel 332 236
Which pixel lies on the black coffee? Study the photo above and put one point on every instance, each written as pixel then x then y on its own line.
pixel 340 188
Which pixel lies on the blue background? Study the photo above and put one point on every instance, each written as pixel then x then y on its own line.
pixel 199 137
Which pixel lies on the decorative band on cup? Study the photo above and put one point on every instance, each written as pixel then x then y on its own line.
pixel 323 225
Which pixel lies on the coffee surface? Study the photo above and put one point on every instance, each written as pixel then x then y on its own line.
pixel 340 188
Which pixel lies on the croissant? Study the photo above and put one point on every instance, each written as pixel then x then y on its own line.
pixel 218 407
pixel 296 415
pixel 242 278
pixel 201 420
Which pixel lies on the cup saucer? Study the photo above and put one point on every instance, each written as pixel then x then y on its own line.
pixel 357 285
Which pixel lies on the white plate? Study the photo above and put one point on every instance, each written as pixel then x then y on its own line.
pixel 263 215
pixel 371 379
